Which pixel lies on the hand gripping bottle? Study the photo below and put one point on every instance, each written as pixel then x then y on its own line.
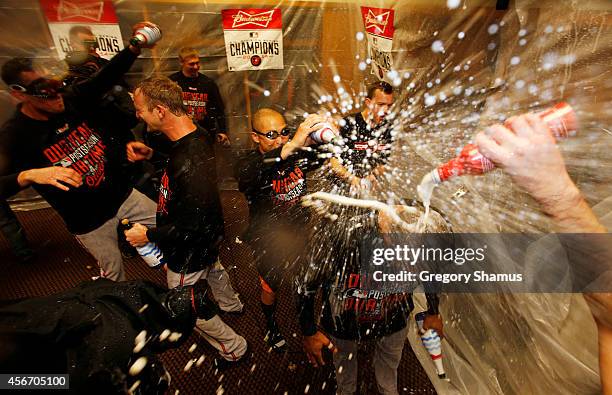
pixel 149 252
pixel 325 134
pixel 432 343
pixel 561 119
pixel 146 35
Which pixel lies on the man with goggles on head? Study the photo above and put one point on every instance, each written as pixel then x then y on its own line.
pixel 41 88
pixel 84 61
pixel 57 143
pixel 273 178
pixel 84 44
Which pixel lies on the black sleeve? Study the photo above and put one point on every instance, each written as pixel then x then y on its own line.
pixel 345 131
pixel 9 185
pixel 160 144
pixel 432 303
pixel 196 190
pixel 108 76
pixel 310 282
pixel 8 175
pixel 432 289
pixel 217 110
pixel 306 296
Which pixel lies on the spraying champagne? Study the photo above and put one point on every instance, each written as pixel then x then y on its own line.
pixel 561 119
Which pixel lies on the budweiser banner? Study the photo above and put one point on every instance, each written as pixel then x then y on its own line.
pixel 378 23
pixel 253 39
pixel 99 16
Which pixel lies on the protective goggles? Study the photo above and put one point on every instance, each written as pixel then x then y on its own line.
pixel 273 134
pixel 42 88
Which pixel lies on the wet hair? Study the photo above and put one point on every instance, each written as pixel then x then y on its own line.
pixel 11 70
pixel 187 52
pixel 383 86
pixel 162 91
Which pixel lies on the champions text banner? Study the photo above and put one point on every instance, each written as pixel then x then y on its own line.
pixel 253 39
pixel 100 16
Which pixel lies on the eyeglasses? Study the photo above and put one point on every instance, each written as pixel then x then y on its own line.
pixel 273 134
pixel 42 88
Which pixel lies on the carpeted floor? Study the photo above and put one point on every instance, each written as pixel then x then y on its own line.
pixel 62 263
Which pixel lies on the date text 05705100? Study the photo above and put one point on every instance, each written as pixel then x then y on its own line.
pixel 34 381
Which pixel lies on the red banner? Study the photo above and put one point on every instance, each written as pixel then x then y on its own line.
pixel 378 24
pixel 79 11
pixel 378 21
pixel 252 19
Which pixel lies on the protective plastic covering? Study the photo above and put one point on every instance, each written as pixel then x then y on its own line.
pixel 527 343
pixel 460 65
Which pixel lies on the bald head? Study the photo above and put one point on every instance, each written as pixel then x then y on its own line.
pixel 264 117
pixel 266 120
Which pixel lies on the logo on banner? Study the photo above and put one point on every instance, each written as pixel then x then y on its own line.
pixel 253 38
pixel 377 22
pixel 262 19
pixel 68 9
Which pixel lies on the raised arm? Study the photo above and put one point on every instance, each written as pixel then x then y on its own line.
pixel 111 73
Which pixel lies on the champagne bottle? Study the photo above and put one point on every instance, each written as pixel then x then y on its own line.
pixel 149 252
pixel 432 343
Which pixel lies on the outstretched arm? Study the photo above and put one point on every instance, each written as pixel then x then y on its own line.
pixel 527 151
